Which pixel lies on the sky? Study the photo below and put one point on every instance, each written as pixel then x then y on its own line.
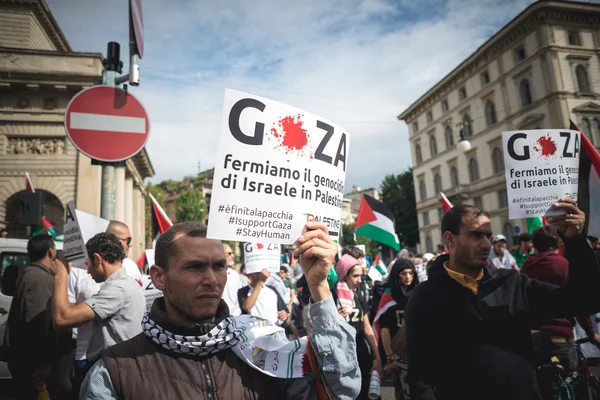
pixel 357 63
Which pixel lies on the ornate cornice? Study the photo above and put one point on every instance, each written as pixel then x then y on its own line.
pixel 38 172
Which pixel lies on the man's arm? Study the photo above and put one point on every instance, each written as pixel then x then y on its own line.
pixel 38 319
pixel 64 314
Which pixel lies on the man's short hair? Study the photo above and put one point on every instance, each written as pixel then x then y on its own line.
pixel 38 246
pixel 116 225
pixel 441 247
pixel 107 245
pixel 524 237
pixel 283 268
pixel 163 244
pixel 353 251
pixel 453 219
pixel 545 238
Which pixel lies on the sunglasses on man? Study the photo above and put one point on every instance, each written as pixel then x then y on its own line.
pixel 126 240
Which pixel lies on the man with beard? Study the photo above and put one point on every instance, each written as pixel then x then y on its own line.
pixel 486 313
pixel 190 347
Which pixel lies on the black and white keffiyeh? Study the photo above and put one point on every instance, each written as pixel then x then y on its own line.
pixel 259 343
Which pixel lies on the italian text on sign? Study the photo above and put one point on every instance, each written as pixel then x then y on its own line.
pixel 541 166
pixel 79 228
pixel 277 168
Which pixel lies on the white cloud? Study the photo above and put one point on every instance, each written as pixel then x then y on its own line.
pixel 358 63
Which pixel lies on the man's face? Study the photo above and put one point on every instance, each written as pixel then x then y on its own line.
pixel 353 278
pixel 282 274
pixel 229 256
pixel 499 248
pixel 96 268
pixel 471 247
pixel 194 280
pixel 124 236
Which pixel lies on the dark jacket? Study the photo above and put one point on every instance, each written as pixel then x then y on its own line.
pixel 479 346
pixel 140 369
pixel 31 335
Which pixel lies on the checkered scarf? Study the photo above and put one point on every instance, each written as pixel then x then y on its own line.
pixel 256 341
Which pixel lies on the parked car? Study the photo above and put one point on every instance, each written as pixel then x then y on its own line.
pixel 13 259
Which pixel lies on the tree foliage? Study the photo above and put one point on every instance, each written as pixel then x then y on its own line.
pixel 398 193
pixel 371 246
pixel 190 206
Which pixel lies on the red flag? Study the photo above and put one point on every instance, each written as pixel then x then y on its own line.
pixel 588 196
pixel 160 220
pixel 384 304
pixel 446 205
pixel 28 183
pixel 141 261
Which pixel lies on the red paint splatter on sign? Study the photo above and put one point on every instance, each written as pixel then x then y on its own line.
pixel 259 246
pixel 545 146
pixel 290 135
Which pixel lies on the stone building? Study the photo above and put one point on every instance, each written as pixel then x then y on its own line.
pixel 538 71
pixel 39 74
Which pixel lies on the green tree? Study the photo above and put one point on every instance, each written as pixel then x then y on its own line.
pixel 348 240
pixel 160 196
pixel 398 193
pixel 190 207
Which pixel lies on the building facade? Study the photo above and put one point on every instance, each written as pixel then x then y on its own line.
pixel 538 71
pixel 39 74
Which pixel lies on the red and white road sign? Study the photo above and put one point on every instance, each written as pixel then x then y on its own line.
pixel 137 20
pixel 107 123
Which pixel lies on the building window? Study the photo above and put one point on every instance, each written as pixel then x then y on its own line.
pixel 502 199
pixel 497 161
pixel 425 218
pixel 432 145
pixel 466 129
pixel 485 78
pixel 478 202
pixel 473 170
pixel 428 244
pixel 596 132
pixel 437 183
pixel 583 82
pixel 586 127
pixel 440 214
pixel 429 117
pixel 418 154
pixel 445 105
pixel 462 93
pixel 490 113
pixel 454 176
pixel 422 190
pixel 449 137
pixel 415 127
pixel 525 92
pixel 520 53
pixel 574 39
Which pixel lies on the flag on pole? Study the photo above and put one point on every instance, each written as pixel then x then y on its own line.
pixel 385 304
pixel 46 225
pixel 160 220
pixel 380 266
pixel 376 221
pixel 28 184
pixel 588 197
pixel 446 205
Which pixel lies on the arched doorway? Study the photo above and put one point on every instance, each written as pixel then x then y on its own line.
pixel 53 211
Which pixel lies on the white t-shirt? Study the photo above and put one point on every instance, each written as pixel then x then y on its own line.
pixel 131 268
pixel 266 305
pixel 235 281
pixel 81 286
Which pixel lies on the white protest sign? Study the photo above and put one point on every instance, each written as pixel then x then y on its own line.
pixel 262 255
pixel 375 275
pixel 150 292
pixel 541 166
pixel 362 248
pixel 277 167
pixel 79 228
pixel 149 257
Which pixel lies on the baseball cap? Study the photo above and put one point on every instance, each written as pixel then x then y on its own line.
pixel 427 257
pixel 498 238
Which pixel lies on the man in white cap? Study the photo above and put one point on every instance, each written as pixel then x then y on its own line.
pixel 499 256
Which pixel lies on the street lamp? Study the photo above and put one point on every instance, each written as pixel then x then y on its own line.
pixel 463 145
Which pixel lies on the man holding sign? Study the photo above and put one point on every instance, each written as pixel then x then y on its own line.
pixel 190 347
pixel 486 313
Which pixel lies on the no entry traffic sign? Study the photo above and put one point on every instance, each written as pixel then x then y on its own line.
pixel 107 123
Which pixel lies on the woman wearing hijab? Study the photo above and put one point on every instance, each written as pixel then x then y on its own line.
pixel 354 308
pixel 402 280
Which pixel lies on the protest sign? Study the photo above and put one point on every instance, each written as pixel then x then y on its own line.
pixel 541 166
pixel 149 257
pixel 262 255
pixel 150 292
pixel 79 228
pixel 375 275
pixel 277 167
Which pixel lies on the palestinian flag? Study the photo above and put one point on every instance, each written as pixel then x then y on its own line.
pixel 384 304
pixel 534 223
pixel 379 265
pixel 28 184
pixel 160 220
pixel 48 227
pixel 588 197
pixel 446 205
pixel 141 262
pixel 376 221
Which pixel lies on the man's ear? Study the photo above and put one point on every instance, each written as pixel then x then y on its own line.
pixel 97 258
pixel 158 277
pixel 449 239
